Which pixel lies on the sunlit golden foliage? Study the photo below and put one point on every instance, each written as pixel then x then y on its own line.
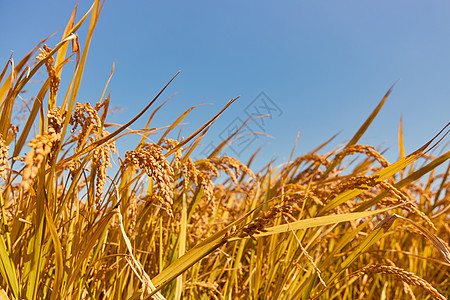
pixel 160 224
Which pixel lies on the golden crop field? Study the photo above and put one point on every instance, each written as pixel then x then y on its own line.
pixel 341 225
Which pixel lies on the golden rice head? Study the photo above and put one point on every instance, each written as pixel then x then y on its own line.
pixel 402 198
pixel 366 149
pixel 87 118
pixel 102 160
pixel 404 276
pixel 226 164
pixel 54 121
pixel 311 157
pixel 12 131
pixel 356 182
pixel 366 182
pixel 151 159
pixel 189 172
pixel 205 181
pixel 3 157
pixel 170 144
pixel 52 75
pixel 258 224
pixel 204 172
pixel 210 168
pixel 41 146
pixel 311 173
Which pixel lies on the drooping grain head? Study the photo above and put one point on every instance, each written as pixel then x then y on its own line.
pixel 151 159
pixel 3 157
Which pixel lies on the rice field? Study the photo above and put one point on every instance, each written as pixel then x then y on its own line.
pixel 346 224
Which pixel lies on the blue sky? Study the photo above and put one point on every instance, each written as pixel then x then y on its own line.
pixel 322 65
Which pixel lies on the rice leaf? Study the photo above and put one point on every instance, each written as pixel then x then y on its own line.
pixel 318 221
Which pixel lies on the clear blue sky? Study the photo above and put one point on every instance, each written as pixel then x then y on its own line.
pixel 324 64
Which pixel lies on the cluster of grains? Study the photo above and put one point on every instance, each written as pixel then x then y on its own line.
pixel 227 163
pixel 169 145
pixel 366 182
pixel 297 194
pixel 368 150
pixel 356 182
pixel 151 159
pixel 54 121
pixel 207 172
pixel 41 147
pixel 102 161
pixel 189 172
pixel 402 198
pixel 12 131
pixel 200 176
pixel 258 224
pixel 311 157
pixel 87 118
pixel 404 276
pixel 314 173
pixel 3 157
pixel 52 75
pixel 205 180
pixel 210 169
pixel 132 214
pixel 297 191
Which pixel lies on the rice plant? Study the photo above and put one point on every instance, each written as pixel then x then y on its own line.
pixel 341 225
